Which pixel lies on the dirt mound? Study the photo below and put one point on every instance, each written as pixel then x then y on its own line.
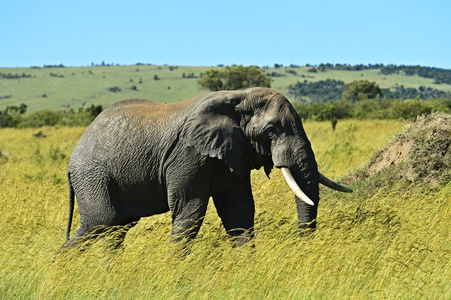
pixel 422 153
pixel 397 152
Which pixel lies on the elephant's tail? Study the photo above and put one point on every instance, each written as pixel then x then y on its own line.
pixel 71 207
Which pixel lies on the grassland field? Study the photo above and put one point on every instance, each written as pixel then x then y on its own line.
pixel 73 86
pixel 389 243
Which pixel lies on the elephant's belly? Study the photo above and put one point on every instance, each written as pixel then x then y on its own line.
pixel 143 201
pixel 139 211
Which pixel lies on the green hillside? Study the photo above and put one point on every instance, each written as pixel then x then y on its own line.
pixel 70 87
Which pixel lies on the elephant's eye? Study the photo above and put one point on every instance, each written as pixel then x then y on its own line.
pixel 271 131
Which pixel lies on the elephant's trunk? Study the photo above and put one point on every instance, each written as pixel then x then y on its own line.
pixel 302 177
pixel 307 209
pixel 306 217
pixel 308 182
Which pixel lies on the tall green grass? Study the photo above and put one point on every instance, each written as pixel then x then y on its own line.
pixel 391 243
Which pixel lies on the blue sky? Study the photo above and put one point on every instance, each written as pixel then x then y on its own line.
pixel 208 33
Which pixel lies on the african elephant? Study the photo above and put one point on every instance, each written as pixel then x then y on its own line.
pixel 139 158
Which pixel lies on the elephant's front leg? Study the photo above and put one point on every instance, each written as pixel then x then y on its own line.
pixel 236 209
pixel 187 216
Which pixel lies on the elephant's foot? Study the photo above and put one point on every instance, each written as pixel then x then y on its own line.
pixel 113 235
pixel 241 237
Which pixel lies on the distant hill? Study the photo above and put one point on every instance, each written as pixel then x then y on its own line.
pixel 56 87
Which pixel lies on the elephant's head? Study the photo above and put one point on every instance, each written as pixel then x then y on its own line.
pixel 254 128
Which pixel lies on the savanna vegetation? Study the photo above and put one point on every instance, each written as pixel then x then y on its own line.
pixel 362 99
pixel 390 239
pixel 74 96
pixel 59 87
pixel 385 108
pixel 15 116
pixel 439 75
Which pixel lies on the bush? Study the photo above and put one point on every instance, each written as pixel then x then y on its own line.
pixel 12 115
pixel 410 109
pixel 114 89
pixel 83 117
pixel 372 109
pixel 42 118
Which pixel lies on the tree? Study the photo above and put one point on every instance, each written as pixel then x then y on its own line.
pixel 211 80
pixel 361 89
pixel 233 78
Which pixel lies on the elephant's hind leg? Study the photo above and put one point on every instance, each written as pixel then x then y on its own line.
pixel 100 218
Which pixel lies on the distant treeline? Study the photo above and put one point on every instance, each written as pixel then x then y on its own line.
pixel 49 66
pixel 422 92
pixel 439 75
pixel 14 76
pixel 331 89
pixel 363 99
pixel 317 91
pixel 16 117
pixel 386 108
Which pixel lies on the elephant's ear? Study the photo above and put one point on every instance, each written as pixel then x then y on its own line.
pixel 213 128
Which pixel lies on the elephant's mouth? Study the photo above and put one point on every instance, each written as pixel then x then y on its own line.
pixel 295 187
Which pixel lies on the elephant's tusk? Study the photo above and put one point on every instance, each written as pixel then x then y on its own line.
pixel 333 185
pixel 294 186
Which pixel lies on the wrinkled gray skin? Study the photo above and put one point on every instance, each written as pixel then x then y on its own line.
pixel 139 158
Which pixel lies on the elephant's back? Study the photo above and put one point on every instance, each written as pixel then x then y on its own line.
pixel 149 111
pixel 136 109
pixel 129 130
pixel 131 125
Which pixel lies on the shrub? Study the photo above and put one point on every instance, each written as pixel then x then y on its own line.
pixel 42 118
pixel 114 89
pixel 83 117
pixel 410 109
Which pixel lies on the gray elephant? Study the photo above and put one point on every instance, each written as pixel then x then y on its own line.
pixel 140 158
